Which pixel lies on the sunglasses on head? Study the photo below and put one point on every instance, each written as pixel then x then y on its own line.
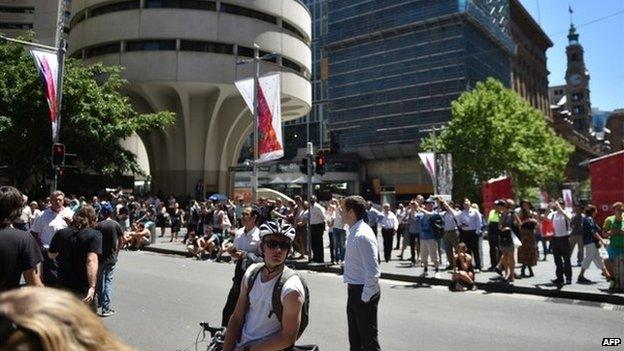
pixel 273 244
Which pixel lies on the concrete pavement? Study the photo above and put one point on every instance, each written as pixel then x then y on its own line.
pixel 160 299
pixel 396 269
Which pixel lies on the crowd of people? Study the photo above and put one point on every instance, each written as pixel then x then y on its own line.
pixel 72 244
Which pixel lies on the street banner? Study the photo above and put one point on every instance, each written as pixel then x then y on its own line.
pixel 270 144
pixel 567 200
pixel 47 65
pixel 428 160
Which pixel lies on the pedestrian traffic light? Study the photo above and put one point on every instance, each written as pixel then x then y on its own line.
pixel 320 164
pixel 60 172
pixel 58 154
pixel 303 167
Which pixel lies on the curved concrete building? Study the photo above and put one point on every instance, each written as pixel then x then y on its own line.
pixel 180 55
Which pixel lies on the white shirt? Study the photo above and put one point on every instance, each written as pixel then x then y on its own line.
pixel 248 242
pixel 257 326
pixel 389 220
pixel 318 214
pixel 49 222
pixel 561 224
pixel 360 263
pixel 25 215
pixel 401 214
pixel 338 223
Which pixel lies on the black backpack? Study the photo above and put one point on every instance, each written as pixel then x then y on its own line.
pixel 437 225
pixel 277 294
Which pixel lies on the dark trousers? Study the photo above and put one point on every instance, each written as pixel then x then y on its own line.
pixel 399 233
pixel 232 297
pixel 561 252
pixel 471 239
pixel 362 320
pixel 414 240
pixel 388 236
pixel 494 241
pixel 49 269
pixel 317 242
pixel 332 246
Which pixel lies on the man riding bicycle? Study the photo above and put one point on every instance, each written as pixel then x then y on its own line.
pixel 255 325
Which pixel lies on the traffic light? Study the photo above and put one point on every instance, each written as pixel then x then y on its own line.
pixel 60 172
pixel 58 154
pixel 320 164
pixel 303 167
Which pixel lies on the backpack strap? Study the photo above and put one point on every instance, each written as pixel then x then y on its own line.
pixel 251 281
pixel 277 307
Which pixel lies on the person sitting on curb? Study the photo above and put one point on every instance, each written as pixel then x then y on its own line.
pixel 463 273
pixel 139 237
pixel 208 245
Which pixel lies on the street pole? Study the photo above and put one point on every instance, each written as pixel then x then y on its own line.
pixel 435 163
pixel 309 157
pixel 254 179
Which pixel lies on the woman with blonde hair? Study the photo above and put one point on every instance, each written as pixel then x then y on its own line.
pixel 47 319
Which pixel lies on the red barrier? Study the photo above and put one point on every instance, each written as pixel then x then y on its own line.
pixel 494 189
pixel 607 182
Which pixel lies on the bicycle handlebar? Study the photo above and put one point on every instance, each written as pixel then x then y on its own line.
pixel 206 326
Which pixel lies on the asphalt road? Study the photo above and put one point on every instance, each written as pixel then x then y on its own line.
pixel 161 299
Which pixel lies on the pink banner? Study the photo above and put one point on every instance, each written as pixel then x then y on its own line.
pixel 270 145
pixel 47 65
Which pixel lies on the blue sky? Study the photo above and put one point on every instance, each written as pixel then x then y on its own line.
pixel 603 41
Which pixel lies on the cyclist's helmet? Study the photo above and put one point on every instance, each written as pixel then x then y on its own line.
pixel 277 228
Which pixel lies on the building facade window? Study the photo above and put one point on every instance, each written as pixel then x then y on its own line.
pixel 182 4
pixel 289 27
pixel 577 97
pixel 245 51
pixel 578 110
pixel 16 9
pixel 206 46
pixel 19 26
pixel 151 45
pixel 243 11
pixel 99 50
pixel 291 64
pixel 114 7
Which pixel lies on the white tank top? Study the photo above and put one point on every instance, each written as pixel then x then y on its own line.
pixel 258 326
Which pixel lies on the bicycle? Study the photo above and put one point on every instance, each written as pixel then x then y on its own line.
pixel 217 336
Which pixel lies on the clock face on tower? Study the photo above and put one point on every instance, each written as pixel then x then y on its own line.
pixel 575 79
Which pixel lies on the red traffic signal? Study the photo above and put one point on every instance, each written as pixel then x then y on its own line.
pixel 58 154
pixel 320 164
pixel 60 171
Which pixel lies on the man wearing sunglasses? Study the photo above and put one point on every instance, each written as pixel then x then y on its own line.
pixel 255 324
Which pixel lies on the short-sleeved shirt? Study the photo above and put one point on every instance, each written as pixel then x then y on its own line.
pixel 248 242
pixel 72 247
pixel 19 252
pixel 49 222
pixel 425 227
pixel 617 231
pixel 111 234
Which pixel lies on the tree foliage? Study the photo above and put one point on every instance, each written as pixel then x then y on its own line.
pixel 493 132
pixel 95 116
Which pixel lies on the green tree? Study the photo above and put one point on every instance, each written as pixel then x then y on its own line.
pixel 95 116
pixel 494 131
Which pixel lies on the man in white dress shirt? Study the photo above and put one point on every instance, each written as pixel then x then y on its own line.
pixel 389 225
pixel 361 274
pixel 317 228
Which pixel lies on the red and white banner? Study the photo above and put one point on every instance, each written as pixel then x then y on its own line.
pixel 568 200
pixel 428 160
pixel 270 144
pixel 47 65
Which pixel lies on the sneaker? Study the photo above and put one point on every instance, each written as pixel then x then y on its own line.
pixel 557 281
pixel 477 270
pixel 568 282
pixel 498 271
pixel 583 280
pixel 107 313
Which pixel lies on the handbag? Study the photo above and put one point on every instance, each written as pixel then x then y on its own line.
pixel 516 241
